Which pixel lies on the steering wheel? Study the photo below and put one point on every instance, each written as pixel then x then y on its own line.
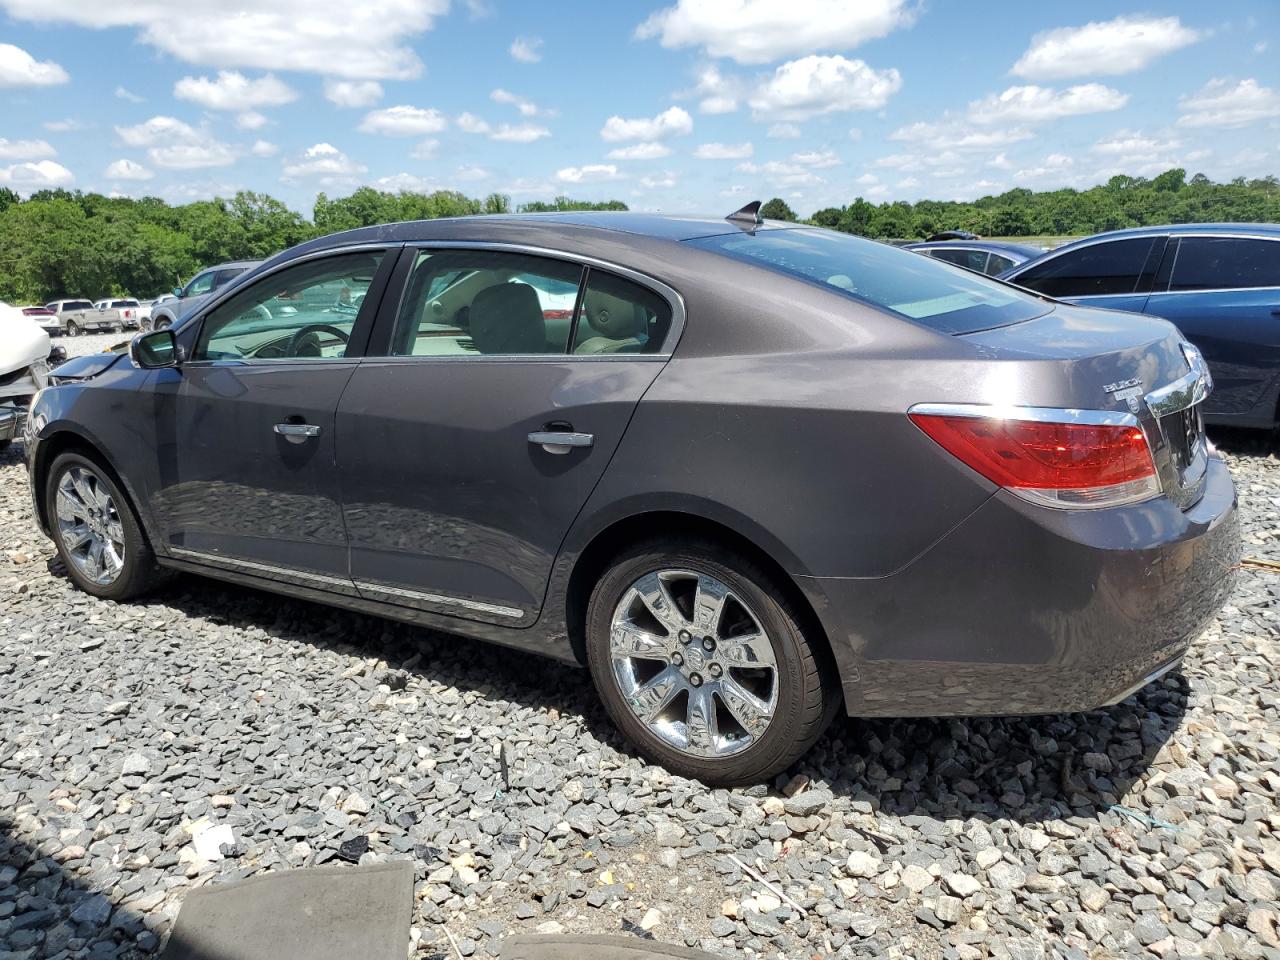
pixel 297 340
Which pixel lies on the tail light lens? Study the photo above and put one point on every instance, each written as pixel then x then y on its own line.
pixel 1060 458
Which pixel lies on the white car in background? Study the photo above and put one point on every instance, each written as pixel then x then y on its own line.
pixel 24 367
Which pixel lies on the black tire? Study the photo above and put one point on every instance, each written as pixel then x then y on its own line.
pixel 72 329
pixel 807 689
pixel 4 445
pixel 139 571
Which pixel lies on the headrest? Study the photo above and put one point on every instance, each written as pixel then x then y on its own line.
pixel 614 317
pixel 507 318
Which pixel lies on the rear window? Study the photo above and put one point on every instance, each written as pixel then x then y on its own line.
pixel 1226 263
pixel 124 303
pixel 920 289
pixel 77 305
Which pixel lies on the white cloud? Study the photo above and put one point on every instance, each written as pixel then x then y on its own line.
pixel 591 173
pixel 503 132
pixel 526 106
pixel 193 156
pixel 123 94
pixel 723 151
pixel 1032 104
pixel 663 181
pixel 26 149
pixel 673 122
pixel 325 161
pixel 251 120
pixel 778 173
pixel 367 40
pixel 19 69
pixel 64 126
pixel 1101 48
pixel 232 90
pixel 817 159
pixel 716 92
pixel 1056 166
pixel 527 49
pixel 470 123
pixel 783 131
pixel 959 135
pixel 758 31
pixel 1219 104
pixel 426 150
pixel 470 172
pixel 350 94
pixel 158 130
pixel 405 183
pixel 908 183
pixel 814 85
pixel 127 170
pixel 866 179
pixel 262 148
pixel 27 177
pixel 403 121
pixel 641 151
pixel 1132 143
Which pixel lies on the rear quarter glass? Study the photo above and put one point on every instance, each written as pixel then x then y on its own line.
pixel 923 290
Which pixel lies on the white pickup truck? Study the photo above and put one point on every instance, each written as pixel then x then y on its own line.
pixel 81 316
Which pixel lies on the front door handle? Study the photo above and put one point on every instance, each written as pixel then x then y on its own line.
pixel 561 441
pixel 297 432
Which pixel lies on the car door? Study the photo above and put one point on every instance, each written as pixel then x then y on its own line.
pixel 1223 293
pixel 468 449
pixel 1115 273
pixel 246 476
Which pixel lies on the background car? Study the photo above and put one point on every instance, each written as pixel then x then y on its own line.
pixel 1219 283
pixel 24 367
pixel 167 312
pixel 78 316
pixel 45 318
pixel 764 472
pixel 991 257
pixel 123 313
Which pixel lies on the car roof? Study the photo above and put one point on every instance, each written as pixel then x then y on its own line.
pixel 1000 246
pixel 247 264
pixel 1269 229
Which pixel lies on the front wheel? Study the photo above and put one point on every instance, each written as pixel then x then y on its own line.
pixel 72 329
pixel 703 664
pixel 96 533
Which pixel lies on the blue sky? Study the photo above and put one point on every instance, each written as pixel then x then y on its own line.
pixel 678 106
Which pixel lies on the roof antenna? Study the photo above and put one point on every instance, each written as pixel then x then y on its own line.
pixel 748 214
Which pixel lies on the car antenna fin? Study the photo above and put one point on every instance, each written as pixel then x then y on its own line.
pixel 748 214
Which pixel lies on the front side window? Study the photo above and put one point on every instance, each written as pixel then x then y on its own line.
pixel 303 312
pixel 900 281
pixel 620 316
pixel 1225 263
pixel 1100 269
pixel 486 303
pixel 202 283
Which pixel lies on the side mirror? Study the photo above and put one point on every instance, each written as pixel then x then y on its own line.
pixel 177 292
pixel 151 351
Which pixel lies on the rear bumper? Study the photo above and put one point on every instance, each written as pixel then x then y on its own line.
pixel 1024 610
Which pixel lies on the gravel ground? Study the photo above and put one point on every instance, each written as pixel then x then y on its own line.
pixel 212 733
pixel 92 342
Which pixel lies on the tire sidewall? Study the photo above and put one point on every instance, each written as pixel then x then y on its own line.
pixel 138 559
pixel 780 738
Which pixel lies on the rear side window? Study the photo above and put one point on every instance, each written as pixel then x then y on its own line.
pixel 1100 269
pixel 998 265
pixel 619 316
pixel 484 303
pixel 903 282
pixel 1225 263
pixel 224 276
pixel 975 260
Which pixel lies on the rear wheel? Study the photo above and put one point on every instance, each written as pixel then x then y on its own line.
pixel 97 535
pixel 72 329
pixel 703 664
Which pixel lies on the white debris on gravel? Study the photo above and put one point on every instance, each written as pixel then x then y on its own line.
pixel 267 722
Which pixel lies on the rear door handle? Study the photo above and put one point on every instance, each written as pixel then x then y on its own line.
pixel 297 432
pixel 561 441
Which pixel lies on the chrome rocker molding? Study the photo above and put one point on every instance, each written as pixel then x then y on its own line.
pixel 250 566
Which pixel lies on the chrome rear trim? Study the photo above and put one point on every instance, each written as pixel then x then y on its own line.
pixel 1100 418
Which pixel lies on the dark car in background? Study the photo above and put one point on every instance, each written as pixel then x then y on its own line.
pixel 749 473
pixel 167 312
pixel 1218 283
pixel 991 257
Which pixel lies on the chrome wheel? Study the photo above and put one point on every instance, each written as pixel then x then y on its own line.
pixel 693 663
pixel 89 525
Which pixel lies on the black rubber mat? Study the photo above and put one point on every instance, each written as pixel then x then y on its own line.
pixel 328 913
pixel 567 947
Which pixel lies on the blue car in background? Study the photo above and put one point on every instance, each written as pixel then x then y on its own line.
pixel 981 256
pixel 1218 282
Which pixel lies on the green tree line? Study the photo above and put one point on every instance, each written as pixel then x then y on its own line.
pixel 59 243
pixel 1120 202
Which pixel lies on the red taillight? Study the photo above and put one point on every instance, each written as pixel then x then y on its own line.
pixel 1062 462
pixel 557 314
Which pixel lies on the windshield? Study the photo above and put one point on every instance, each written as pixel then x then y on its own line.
pixel 929 292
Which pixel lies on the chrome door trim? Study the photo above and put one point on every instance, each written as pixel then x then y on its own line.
pixel 234 563
pixel 674 300
pixel 492 608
